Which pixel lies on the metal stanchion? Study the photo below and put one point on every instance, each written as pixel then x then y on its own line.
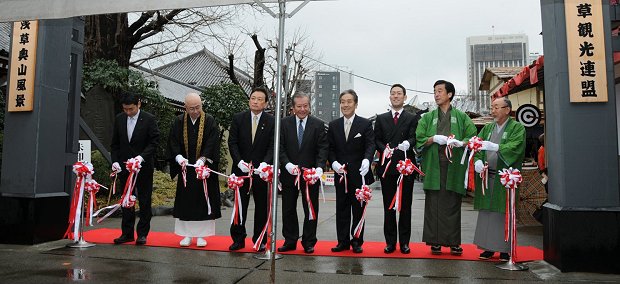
pixel 269 254
pixel 81 243
pixel 511 264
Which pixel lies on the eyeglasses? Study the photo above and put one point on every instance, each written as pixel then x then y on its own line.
pixel 498 108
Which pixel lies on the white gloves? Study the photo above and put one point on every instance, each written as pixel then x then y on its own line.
pixel 199 163
pixel 489 146
pixel 292 169
pixel 139 158
pixel 243 166
pixel 116 167
pixel 454 142
pixel 319 172
pixel 404 146
pixel 181 160
pixel 478 166
pixel 364 167
pixel 440 139
pixel 337 167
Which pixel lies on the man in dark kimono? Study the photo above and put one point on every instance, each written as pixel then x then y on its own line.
pixel 194 139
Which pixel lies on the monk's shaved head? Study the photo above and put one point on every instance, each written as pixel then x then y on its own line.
pixel 193 105
pixel 192 98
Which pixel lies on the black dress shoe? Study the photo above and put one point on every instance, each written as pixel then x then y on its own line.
pixel 236 246
pixel 456 250
pixel 404 248
pixel 340 247
pixel 486 255
pixel 287 248
pixel 141 241
pixel 389 249
pixel 436 250
pixel 261 248
pixel 504 256
pixel 123 239
pixel 357 249
pixel 309 250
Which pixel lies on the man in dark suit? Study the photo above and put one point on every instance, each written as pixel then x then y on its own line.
pixel 250 140
pixel 351 147
pixel 136 135
pixel 302 145
pixel 396 129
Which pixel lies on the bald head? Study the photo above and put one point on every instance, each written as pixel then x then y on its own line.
pixel 193 105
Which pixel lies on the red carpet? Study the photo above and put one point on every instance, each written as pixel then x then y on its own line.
pixel 323 248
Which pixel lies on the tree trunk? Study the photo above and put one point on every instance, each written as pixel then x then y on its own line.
pixel 107 37
pixel 259 64
pixel 231 70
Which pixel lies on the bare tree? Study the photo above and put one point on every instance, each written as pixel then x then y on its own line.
pixel 298 65
pixel 139 37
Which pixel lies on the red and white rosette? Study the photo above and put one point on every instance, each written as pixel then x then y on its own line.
pixel 83 171
pixel 343 178
pixel 405 168
pixel 235 183
pixel 133 166
pixel 511 178
pixel 363 195
pixel 202 173
pixel 472 147
pixel 386 156
pixel 92 187
pixel 310 177
pixel 265 172
pixel 448 150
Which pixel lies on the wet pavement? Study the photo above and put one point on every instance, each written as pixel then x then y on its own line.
pixel 54 263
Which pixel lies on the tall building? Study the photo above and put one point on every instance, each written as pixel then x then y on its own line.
pixel 492 51
pixel 326 105
pixel 346 79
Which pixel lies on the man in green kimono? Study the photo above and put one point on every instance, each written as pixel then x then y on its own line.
pixel 443 184
pixel 503 147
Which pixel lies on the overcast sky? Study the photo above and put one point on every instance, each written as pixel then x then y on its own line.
pixel 408 41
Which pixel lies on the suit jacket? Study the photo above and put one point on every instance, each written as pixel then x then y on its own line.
pixel 144 142
pixel 313 150
pixel 240 140
pixel 359 146
pixel 386 133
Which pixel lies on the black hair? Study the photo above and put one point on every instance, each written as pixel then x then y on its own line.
pixel 449 87
pixel 262 90
pixel 400 86
pixel 129 98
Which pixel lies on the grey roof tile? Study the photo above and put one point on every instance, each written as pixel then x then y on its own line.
pixel 203 69
pixel 170 88
pixel 5 39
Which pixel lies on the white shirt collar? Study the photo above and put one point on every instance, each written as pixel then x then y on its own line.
pixel 252 115
pixel 400 111
pixel 303 121
pixel 135 116
pixel 349 119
